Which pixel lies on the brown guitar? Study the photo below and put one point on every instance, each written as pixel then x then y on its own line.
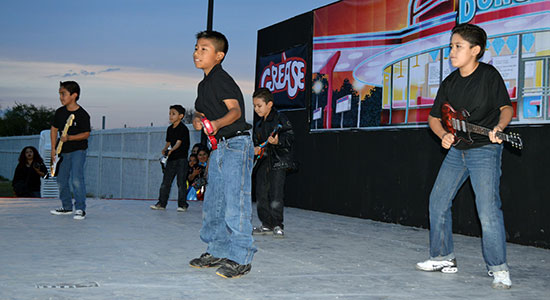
pixel 456 123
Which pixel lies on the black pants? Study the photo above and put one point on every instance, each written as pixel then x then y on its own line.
pixel 176 167
pixel 270 186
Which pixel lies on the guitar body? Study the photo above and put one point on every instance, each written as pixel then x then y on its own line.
pixel 455 123
pixel 264 144
pixel 55 165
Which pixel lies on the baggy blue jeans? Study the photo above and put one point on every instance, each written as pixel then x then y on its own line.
pixel 227 207
pixel 71 171
pixel 483 166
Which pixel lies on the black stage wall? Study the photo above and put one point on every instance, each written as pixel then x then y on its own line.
pixel 387 175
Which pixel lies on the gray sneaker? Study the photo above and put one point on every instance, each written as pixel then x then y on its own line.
pixel 262 230
pixel 278 232
pixel 157 207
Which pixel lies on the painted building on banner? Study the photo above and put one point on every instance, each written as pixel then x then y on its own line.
pixel 392 60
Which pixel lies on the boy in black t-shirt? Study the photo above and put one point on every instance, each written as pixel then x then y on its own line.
pixel 73 152
pixel 176 148
pixel 227 208
pixel 272 166
pixel 478 88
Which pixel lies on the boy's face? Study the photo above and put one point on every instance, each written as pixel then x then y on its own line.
pixel 462 53
pixel 65 97
pixel 205 55
pixel 174 116
pixel 261 108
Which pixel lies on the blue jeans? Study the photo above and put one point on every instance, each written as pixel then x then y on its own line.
pixel 227 207
pixel 483 165
pixel 71 170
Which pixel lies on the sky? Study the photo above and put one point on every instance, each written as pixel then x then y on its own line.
pixel 132 58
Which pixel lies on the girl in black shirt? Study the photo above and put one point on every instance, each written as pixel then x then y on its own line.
pixel 26 180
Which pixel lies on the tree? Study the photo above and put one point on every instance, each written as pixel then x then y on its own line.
pixel 25 119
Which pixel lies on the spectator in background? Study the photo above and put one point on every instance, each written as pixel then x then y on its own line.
pixel 26 180
pixel 196 148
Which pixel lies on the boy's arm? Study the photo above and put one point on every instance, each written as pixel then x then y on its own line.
pixel 53 141
pixel 233 114
pixel 76 137
pixel 176 146
pixel 506 114
pixel 447 139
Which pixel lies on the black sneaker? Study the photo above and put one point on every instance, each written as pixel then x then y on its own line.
pixel 79 214
pixel 61 211
pixel 232 269
pixel 157 207
pixel 207 261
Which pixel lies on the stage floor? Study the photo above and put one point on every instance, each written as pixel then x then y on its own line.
pixel 132 252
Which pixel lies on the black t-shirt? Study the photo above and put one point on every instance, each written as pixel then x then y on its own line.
pixel 213 89
pixel 481 93
pixel 27 179
pixel 173 135
pixel 81 124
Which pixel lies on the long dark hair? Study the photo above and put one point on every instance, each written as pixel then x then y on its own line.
pixel 36 157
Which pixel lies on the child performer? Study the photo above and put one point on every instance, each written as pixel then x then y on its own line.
pixel 177 140
pixel 478 88
pixel 73 152
pixel 272 166
pixel 227 208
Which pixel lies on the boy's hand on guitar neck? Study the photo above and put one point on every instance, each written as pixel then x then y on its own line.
pixel 64 138
pixel 493 137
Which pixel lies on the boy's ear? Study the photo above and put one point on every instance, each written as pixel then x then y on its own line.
pixel 220 55
pixel 476 50
pixel 270 104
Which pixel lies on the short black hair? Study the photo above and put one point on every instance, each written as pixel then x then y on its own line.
pixel 263 93
pixel 179 108
pixel 221 44
pixel 474 34
pixel 72 87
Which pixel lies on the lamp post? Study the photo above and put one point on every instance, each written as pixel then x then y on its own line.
pixel 317 87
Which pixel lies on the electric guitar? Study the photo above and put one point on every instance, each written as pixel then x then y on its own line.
pixel 455 122
pixel 54 169
pixel 264 144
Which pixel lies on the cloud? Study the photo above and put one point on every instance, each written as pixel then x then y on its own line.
pixel 125 95
pixel 71 73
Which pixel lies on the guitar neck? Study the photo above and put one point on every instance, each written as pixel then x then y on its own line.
pixel 485 131
pixel 60 144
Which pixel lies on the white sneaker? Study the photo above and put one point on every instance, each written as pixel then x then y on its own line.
pixel 79 215
pixel 501 280
pixel 444 266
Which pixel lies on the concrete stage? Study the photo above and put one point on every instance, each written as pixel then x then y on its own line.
pixel 124 250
